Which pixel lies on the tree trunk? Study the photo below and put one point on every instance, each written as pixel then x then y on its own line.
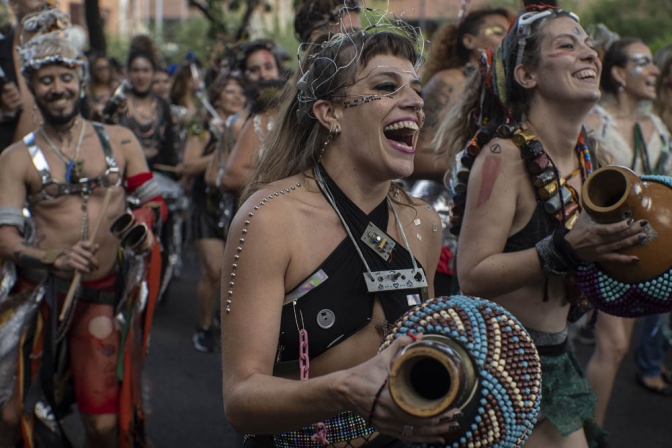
pixel 94 23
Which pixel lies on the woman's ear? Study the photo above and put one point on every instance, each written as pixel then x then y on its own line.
pixel 326 113
pixel 468 41
pixel 525 77
pixel 618 75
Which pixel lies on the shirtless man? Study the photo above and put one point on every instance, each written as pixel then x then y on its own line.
pixel 63 171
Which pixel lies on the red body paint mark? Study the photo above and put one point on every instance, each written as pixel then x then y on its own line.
pixel 491 169
pixel 268 57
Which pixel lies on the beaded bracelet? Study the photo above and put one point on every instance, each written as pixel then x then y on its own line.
pixel 375 402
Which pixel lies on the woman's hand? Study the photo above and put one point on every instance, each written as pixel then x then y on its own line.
pixel 365 382
pixel 601 242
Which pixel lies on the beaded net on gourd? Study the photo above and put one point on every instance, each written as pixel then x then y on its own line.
pixel 504 409
pixel 627 299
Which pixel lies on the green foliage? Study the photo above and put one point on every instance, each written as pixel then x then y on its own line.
pixel 647 19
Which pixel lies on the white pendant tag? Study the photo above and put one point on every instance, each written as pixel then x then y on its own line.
pixel 395 279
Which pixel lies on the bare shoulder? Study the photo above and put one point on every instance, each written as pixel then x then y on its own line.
pixel 15 158
pixel 119 135
pixel 503 148
pixel 270 210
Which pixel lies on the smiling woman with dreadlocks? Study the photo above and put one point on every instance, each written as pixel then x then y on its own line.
pixel 522 230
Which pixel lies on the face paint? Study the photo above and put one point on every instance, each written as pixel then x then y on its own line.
pixel 494 31
pixel 641 61
pixel 491 169
pixel 390 72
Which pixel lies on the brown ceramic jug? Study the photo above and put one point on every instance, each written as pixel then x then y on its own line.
pixel 615 193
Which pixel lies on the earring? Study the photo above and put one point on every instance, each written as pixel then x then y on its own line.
pixel 333 132
pixel 621 86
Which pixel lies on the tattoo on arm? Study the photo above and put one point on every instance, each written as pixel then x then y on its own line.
pixel 126 142
pixel 496 149
pixel 436 98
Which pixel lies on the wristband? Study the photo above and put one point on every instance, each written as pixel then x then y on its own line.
pixel 556 255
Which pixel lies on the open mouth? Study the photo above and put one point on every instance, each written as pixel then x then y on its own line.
pixel 586 74
pixel 402 133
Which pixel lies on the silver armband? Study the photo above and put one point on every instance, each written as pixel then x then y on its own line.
pixel 148 190
pixel 13 216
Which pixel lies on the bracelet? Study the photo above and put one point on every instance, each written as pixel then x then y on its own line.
pixel 375 402
pixel 565 250
pixel 556 255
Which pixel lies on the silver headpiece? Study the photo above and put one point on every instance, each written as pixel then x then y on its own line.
pixel 374 21
pixel 49 38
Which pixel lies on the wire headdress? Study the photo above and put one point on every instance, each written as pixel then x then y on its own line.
pixel 321 63
pixel 52 40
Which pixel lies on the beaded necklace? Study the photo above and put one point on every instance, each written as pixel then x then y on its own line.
pixel 558 197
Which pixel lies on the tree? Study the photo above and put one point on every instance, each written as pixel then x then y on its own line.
pixel 213 10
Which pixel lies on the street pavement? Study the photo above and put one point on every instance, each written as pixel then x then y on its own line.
pixel 186 395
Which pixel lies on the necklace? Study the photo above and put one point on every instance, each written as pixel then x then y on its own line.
pixel 559 198
pixel 381 280
pixel 73 166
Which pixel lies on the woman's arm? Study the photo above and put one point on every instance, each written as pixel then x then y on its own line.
pixel 194 161
pixel 494 187
pixel 496 184
pixel 243 157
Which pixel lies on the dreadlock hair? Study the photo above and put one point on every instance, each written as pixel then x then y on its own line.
pixel 448 50
pixel 315 14
pixel 615 56
pixel 295 143
pixel 494 102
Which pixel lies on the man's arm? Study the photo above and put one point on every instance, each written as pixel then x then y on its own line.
pixel 139 180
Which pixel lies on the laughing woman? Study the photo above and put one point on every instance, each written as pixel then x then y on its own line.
pixel 346 129
pixel 516 246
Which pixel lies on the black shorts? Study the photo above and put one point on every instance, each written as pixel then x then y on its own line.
pixel 205 224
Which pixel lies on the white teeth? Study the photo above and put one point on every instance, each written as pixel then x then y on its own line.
pixel 588 73
pixel 401 125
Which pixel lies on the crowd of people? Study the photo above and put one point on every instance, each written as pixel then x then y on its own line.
pixel 276 177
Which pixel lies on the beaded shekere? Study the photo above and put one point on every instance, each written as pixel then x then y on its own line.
pixel 627 299
pixel 504 408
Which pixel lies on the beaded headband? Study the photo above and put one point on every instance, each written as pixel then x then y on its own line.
pixel 49 27
pixel 374 21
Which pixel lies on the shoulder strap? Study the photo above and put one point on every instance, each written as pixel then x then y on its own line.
pixel 37 156
pixel 105 143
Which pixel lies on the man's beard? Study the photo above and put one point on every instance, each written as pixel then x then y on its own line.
pixel 57 120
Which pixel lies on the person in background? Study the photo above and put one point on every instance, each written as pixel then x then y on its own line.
pixel 101 87
pixel 326 17
pixel 162 83
pixel 212 208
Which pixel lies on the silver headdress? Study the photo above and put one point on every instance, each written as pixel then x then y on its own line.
pixel 49 38
pixel 319 69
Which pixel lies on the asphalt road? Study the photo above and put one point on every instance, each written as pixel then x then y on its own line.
pixel 186 401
